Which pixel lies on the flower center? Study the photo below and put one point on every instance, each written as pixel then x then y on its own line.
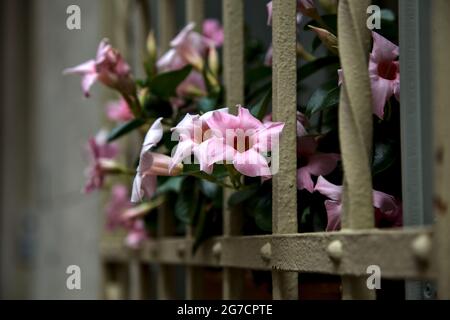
pixel 241 143
pixel 388 70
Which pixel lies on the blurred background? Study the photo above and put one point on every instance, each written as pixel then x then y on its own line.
pixel 46 222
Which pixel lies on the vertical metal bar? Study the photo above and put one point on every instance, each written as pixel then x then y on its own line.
pixel 233 57
pixel 284 220
pixel 195 12
pixel 415 121
pixel 440 46
pixel 355 128
pixel 194 275
pixel 166 23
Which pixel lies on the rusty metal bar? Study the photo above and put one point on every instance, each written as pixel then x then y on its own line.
pixel 233 57
pixel 440 47
pixel 284 220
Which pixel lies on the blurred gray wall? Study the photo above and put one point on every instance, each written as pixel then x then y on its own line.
pixel 46 223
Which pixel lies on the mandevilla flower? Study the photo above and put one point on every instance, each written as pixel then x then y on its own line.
pixel 119 111
pixel 118 204
pixel 108 67
pixel 384 72
pixel 388 211
pixel 100 153
pixel 214 31
pixel 151 165
pixel 242 139
pixel 137 234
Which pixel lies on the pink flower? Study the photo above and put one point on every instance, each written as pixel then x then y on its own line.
pixel 243 139
pixel 305 7
pixel 268 57
pixel 302 122
pixel 119 111
pixel 188 47
pixel 214 31
pixel 117 205
pixel 388 211
pixel 194 136
pixel 384 72
pixel 151 165
pixel 100 154
pixel 137 234
pixel 108 67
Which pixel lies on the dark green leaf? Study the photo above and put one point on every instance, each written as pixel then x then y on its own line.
pixel 257 74
pixel 187 201
pixel 323 98
pixel 240 196
pixel 311 67
pixel 206 104
pixel 260 109
pixel 209 189
pixel 263 213
pixel 383 157
pixel 165 84
pixel 171 184
pixel 125 128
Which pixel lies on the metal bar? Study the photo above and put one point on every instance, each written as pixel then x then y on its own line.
pixel 194 275
pixel 395 251
pixel 440 46
pixel 195 12
pixel 415 121
pixel 284 220
pixel 355 128
pixel 233 57
pixel 166 23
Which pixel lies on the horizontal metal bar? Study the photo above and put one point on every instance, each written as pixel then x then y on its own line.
pixel 398 253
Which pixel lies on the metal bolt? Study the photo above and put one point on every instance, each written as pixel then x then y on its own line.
pixel 217 250
pixel 421 247
pixel 181 249
pixel 266 251
pixel 335 250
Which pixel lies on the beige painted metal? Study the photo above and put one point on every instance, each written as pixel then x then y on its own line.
pixel 285 284
pixel 195 12
pixel 166 23
pixel 166 273
pixel 355 128
pixel 194 275
pixel 233 57
pixel 395 251
pixel 441 98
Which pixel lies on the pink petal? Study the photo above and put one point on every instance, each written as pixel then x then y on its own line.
pixel 247 120
pixel 220 122
pixel 269 13
pixel 382 90
pixel 87 81
pixel 322 164
pixel 84 68
pixel 153 135
pixel 214 31
pixel 182 151
pixel 328 189
pixel 383 49
pixel 270 134
pixel 334 209
pixel 304 180
pixel 136 193
pixel 251 163
pixel 212 151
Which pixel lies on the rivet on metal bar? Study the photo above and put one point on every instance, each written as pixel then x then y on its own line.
pixel 266 251
pixel 217 250
pixel 421 247
pixel 334 250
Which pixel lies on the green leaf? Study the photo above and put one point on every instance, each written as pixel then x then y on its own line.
pixel 257 74
pixel 171 184
pixel 206 104
pixel 209 189
pixel 329 19
pixel 325 97
pixel 187 201
pixel 260 109
pixel 263 213
pixel 165 84
pixel 311 67
pixel 125 128
pixel 240 196
pixel 384 157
